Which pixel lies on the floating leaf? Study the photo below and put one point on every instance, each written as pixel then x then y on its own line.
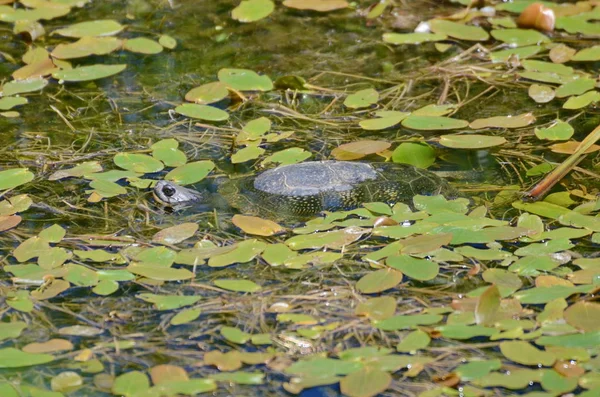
pixel 14 358
pixel 7 103
pixel 138 162
pixel 87 46
pixel 412 38
pixel 386 119
pixel 365 382
pixel 459 30
pixel 105 27
pixel 85 168
pixel 359 149
pixel 175 234
pixel 238 285
pixel 519 121
pixel 130 383
pixel 191 172
pixel 571 147
pixel 418 154
pixel 245 80
pixel 87 73
pixel 167 152
pixel 208 93
pixel 167 41
pixel 471 141
pixel 519 53
pixel 142 45
pixel 402 321
pixel 287 156
pixel 432 123
pixel 23 86
pixel 14 177
pixel 541 93
pixel 584 316
pixel 589 54
pixel 316 5
pixel 560 131
pixel 524 353
pixel 252 10
pixel 581 101
pixel 362 99
pixel 256 226
pixel 418 269
pixel 520 37
pixel 378 281
pixel 575 87
pixel 246 154
pixel 202 112
pixel 169 302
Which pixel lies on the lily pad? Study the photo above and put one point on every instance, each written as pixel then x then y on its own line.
pixel 191 172
pixel 316 5
pixel 520 37
pixel 207 93
pixel 202 112
pixel 12 178
pixel 87 73
pixel 414 153
pixel 104 27
pixel 412 38
pixel 471 141
pixel 245 80
pixel 138 162
pixel 433 123
pixel 142 45
pixel 362 99
pixel 252 10
pixel 458 30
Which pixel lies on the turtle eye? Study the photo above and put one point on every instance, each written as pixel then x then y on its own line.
pixel 168 191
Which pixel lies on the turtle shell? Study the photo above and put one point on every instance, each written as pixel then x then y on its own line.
pixel 306 189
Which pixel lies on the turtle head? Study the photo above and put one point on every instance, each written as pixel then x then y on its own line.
pixel 172 194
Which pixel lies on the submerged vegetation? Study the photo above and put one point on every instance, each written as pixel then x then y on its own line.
pixel 105 292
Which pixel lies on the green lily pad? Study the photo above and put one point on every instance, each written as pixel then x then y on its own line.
pixel 87 46
pixel 471 141
pixel 362 99
pixel 12 178
pixel 589 54
pixel 433 123
pixel 245 80
pixel 207 93
pixel 560 131
pixel 418 269
pixel 138 162
pixel 520 37
pixel 287 156
pixel 575 87
pixel 105 27
pixel 167 41
pixel 518 121
pixel 142 45
pixel 412 38
pixel 14 358
pixel 252 10
pixel 581 101
pixel 202 112
pixel 23 86
pixel 386 119
pixel 519 52
pixel 87 73
pixel 458 30
pixel 246 154
pixel 418 154
pixel 191 172
pixel 541 93
pixel 7 103
pixel 238 285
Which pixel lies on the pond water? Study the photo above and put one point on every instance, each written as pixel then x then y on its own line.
pixel 104 291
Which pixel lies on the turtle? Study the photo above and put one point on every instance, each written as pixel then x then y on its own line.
pixel 306 189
